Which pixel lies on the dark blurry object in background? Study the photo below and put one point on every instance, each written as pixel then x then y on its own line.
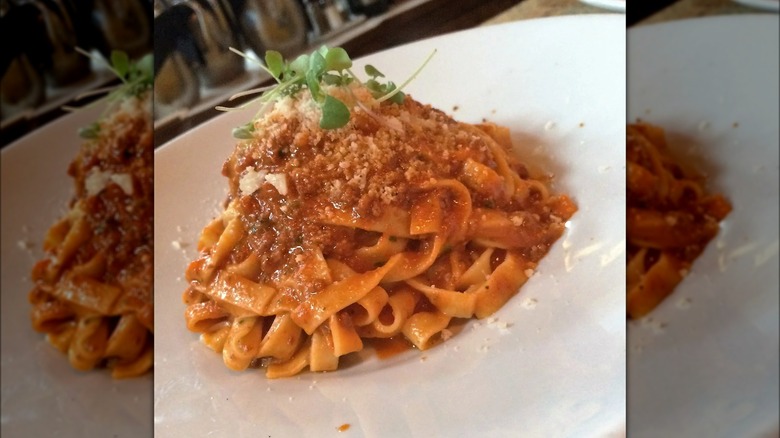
pixel 172 35
pixel 424 19
pixel 214 37
pixel 317 19
pixel 21 85
pixel 176 85
pixel 272 25
pixel 328 18
pixel 192 56
pixel 369 7
pixel 64 64
pixel 639 10
pixel 344 10
pixel 124 25
pixel 336 16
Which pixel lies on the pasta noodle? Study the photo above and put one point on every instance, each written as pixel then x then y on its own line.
pixel 670 219
pixel 93 292
pixel 392 226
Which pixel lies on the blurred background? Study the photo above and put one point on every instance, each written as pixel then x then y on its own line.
pixel 40 69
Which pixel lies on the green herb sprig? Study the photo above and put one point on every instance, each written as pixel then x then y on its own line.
pixel 136 78
pixel 379 90
pixel 325 66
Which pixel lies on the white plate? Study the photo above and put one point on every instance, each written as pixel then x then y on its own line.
pixel 713 369
pixel 559 370
pixel 767 5
pixel 612 5
pixel 41 394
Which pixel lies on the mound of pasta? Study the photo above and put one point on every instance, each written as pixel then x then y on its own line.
pixel 669 219
pixel 93 292
pixel 393 225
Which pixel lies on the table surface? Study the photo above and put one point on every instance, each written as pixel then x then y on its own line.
pixel 682 9
pixel 543 8
pixel 699 8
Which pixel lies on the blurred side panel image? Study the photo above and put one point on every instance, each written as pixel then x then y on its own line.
pixel 701 220
pixel 77 210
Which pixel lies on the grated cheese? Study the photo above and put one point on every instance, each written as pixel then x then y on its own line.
pixel 278 180
pixel 251 180
pixel 124 181
pixel 96 181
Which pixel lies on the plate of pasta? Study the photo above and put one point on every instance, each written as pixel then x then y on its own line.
pixel 358 259
pixel 703 361
pixel 54 299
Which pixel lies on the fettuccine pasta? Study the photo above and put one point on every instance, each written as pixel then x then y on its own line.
pixel 393 226
pixel 670 219
pixel 93 292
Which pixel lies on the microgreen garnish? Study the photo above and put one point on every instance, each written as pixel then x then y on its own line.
pixel 378 89
pixel 244 132
pixel 136 78
pixel 90 131
pixel 328 66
